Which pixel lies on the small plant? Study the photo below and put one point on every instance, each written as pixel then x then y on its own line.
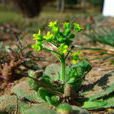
pixel 64 86
pixel 58 43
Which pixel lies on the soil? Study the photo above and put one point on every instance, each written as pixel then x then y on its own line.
pixel 99 70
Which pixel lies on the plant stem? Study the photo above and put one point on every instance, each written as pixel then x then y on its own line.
pixel 62 59
pixel 62 77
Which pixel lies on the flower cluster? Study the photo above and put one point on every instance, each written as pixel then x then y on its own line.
pixel 62 49
pixel 49 37
pixel 58 38
pixel 38 44
pixel 54 27
pixel 75 56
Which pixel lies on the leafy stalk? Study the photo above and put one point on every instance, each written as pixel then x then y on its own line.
pixel 62 77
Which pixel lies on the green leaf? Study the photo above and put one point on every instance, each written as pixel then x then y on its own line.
pixel 62 108
pixel 53 71
pixel 66 25
pixel 71 80
pixel 23 108
pixel 32 84
pixel 94 104
pixel 40 109
pixel 55 100
pixel 45 79
pixel 7 48
pixel 31 73
pixel 45 95
pixel 67 32
pixel 79 110
pixel 75 74
pixel 72 36
pixel 103 93
pixel 109 101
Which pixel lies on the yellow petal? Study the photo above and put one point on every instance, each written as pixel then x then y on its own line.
pixel 74 61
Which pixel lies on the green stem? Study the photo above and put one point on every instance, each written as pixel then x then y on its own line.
pixel 62 76
pixel 62 59
pixel 48 50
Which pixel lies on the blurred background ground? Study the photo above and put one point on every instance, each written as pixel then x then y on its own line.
pixel 15 19
pixel 96 41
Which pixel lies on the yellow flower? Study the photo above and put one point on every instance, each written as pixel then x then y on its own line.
pixel 37 36
pixel 37 46
pixel 52 24
pixel 75 56
pixel 73 61
pixel 66 25
pixel 63 49
pixel 49 36
pixel 55 30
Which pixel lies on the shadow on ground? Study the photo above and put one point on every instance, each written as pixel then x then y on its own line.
pixel 103 82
